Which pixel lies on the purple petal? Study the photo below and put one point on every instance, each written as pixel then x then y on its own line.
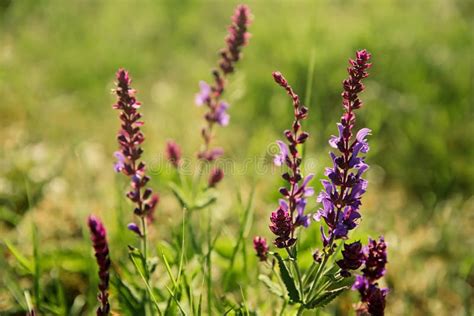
pixel 283 205
pixel 204 93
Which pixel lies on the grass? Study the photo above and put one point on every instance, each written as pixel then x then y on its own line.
pixel 57 62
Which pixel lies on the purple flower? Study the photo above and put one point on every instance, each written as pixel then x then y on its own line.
pixel 101 249
pixel 120 163
pixel 341 196
pixel 372 297
pixel 130 139
pixel 204 95
pixel 376 259
pixel 221 116
pixel 215 176
pixel 281 157
pixel 352 258
pixel 173 153
pixel 261 247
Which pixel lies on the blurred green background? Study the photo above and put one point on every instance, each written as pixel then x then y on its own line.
pixel 57 127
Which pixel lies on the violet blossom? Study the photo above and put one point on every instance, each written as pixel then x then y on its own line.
pixel 101 249
pixel 130 138
pixel 291 211
pixel 341 196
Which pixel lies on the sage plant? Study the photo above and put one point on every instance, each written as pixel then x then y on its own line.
pixel 340 210
pixel 129 154
pixel 197 195
pixel 210 95
pixel 290 213
pixel 101 249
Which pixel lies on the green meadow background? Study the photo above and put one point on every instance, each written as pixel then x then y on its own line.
pixel 57 134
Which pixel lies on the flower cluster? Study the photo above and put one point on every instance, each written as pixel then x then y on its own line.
pixel 290 213
pixel 372 297
pixel 343 191
pixel 130 139
pixel 101 248
pixel 261 247
pixel 210 95
pixel 352 258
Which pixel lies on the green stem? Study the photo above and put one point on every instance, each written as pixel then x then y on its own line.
pixel 318 273
pixel 283 307
pixel 209 265
pixel 145 245
pixel 300 310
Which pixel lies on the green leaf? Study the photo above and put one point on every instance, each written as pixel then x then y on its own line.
pixel 204 200
pixel 180 195
pixel 288 280
pixel 272 286
pixel 325 298
pixel 127 297
pixel 343 283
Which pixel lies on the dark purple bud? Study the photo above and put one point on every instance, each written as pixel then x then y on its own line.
pixel 173 153
pixel 289 136
pixel 261 247
pixel 302 138
pixel 281 226
pixel 215 176
pixel 352 258
pixel 284 191
pixel 317 256
pixel 134 228
pixel 278 77
pixel 376 259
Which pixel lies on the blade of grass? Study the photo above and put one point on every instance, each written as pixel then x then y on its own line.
pixel 150 291
pixel 209 264
pixel 37 266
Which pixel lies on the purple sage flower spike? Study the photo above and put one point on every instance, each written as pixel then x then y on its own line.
pixel 341 196
pixel 210 94
pixel 261 248
pixel 130 139
pixel 290 213
pixel 372 297
pixel 101 249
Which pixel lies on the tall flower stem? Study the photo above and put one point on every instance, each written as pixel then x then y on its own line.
pixel 145 245
pixel 209 264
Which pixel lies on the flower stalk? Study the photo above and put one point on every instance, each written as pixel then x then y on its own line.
pixel 210 95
